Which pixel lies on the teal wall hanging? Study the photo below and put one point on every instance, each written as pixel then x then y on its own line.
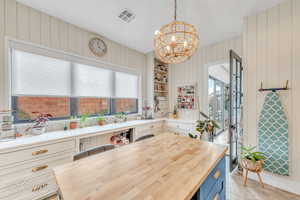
pixel 273 135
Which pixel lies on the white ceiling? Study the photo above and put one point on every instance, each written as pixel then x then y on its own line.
pixel 220 72
pixel 216 20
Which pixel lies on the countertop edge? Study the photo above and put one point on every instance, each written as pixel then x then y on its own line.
pixel 64 135
pixel 223 154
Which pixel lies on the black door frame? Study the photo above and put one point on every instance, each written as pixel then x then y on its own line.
pixel 234 158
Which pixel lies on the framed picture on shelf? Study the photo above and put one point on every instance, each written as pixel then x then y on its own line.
pixel 186 97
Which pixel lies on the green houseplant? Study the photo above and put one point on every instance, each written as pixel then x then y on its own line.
pixel 83 120
pixel 251 159
pixel 100 118
pixel 175 112
pixel 207 125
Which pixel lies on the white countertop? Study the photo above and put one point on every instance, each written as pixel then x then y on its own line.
pixel 57 135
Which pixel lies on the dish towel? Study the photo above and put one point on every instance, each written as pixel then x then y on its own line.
pixel 273 135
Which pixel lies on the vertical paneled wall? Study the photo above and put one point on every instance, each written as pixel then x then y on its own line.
pixel 195 71
pixel 24 23
pixel 272 56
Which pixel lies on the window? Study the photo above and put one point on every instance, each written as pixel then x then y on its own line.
pixel 93 106
pixel 125 105
pixel 63 88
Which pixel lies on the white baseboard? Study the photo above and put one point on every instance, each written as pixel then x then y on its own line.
pixel 281 182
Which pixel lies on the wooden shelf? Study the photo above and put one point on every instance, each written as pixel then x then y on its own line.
pixel 160 82
pixel 160 91
pixel 160 71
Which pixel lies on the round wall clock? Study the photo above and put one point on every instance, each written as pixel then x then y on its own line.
pixel 97 46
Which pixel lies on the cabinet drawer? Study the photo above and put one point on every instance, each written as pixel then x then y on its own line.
pixel 152 128
pixel 214 181
pixel 16 174
pixel 30 189
pixel 35 153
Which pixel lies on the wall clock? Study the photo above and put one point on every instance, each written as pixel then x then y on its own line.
pixel 97 46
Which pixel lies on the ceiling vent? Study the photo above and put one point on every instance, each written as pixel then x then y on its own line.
pixel 127 16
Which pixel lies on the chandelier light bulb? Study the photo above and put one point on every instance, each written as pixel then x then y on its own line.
pixel 185 44
pixel 173 38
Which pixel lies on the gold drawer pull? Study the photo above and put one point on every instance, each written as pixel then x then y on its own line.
pixel 217 174
pixel 39 187
pixel 39 168
pixel 39 152
pixel 217 197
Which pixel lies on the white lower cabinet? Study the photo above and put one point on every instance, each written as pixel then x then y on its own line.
pixel 180 128
pixel 147 129
pixel 28 174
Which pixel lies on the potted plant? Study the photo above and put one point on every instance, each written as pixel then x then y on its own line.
pixel 73 122
pixel 205 126
pixel 100 120
pixel 175 112
pixel 252 160
pixel 146 112
pixel 83 120
pixel 120 117
pixel 40 123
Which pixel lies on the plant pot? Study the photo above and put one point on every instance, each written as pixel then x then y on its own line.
pixel 174 116
pixel 73 125
pixel 101 122
pixel 38 130
pixel 252 166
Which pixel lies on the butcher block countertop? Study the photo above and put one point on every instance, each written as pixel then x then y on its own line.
pixel 166 166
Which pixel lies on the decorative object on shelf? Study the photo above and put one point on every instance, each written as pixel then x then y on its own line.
pixel 121 138
pixel 186 97
pixel 73 122
pixel 147 113
pixel 97 46
pixel 40 123
pixel 7 131
pixel 176 42
pixel 205 126
pixel 252 161
pixel 175 112
pixel 160 84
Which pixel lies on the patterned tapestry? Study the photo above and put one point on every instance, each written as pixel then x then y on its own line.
pixel 273 135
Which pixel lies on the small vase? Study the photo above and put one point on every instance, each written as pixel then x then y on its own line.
pixel 73 125
pixel 101 122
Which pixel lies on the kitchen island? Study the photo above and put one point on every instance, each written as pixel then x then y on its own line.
pixel 166 166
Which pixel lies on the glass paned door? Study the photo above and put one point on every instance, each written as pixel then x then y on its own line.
pixel 235 110
pixel 217 102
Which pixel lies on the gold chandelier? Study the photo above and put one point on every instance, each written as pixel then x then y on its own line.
pixel 176 42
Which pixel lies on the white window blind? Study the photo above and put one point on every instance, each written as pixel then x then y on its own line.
pixel 126 85
pixel 39 75
pixel 89 81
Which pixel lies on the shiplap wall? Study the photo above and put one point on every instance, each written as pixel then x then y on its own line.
pixel 272 56
pixel 195 71
pixel 24 23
